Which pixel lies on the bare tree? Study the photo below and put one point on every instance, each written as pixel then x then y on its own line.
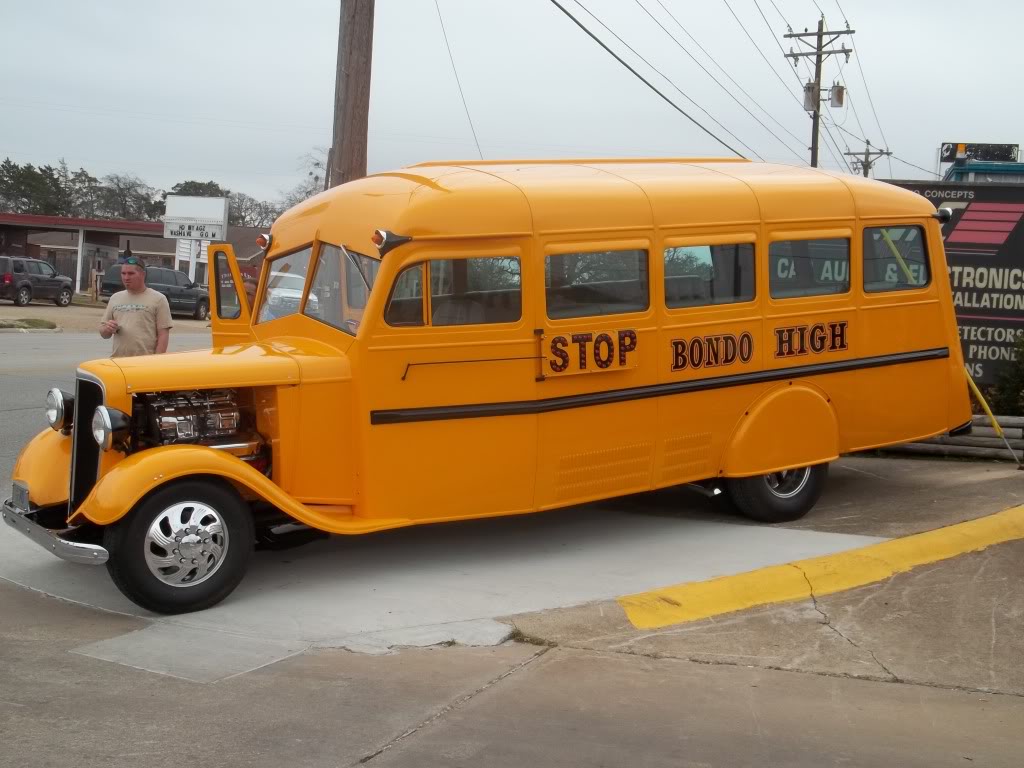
pixel 124 196
pixel 247 211
pixel 314 164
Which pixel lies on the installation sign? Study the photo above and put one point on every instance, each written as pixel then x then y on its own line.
pixel 985 253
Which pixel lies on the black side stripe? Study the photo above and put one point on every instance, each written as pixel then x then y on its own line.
pixel 527 407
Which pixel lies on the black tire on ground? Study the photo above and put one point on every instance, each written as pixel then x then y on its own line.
pixel 779 497
pixel 63 298
pixel 202 310
pixel 23 297
pixel 155 549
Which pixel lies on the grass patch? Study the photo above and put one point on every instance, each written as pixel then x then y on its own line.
pixel 85 300
pixel 28 322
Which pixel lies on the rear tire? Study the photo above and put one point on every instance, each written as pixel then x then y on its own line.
pixel 779 497
pixel 23 296
pixel 63 298
pixel 184 548
pixel 202 311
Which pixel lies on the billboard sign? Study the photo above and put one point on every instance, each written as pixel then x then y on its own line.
pixel 196 218
pixel 985 257
pixel 951 151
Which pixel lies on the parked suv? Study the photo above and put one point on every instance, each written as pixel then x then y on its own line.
pixel 22 280
pixel 183 295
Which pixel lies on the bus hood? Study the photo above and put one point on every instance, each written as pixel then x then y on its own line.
pixel 268 363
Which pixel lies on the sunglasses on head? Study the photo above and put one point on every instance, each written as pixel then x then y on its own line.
pixel 133 260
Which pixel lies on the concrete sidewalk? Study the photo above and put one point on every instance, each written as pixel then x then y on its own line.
pixel 78 318
pixel 957 624
pixel 514 705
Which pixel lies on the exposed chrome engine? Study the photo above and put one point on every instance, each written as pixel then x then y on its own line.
pixel 212 418
pixel 193 417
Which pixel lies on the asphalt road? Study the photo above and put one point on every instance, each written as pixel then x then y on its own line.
pixel 921 670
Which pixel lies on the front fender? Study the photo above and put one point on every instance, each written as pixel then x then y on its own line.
pixel 791 426
pixel 134 477
pixel 44 465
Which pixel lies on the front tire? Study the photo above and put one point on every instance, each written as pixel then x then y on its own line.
pixel 779 497
pixel 63 298
pixel 202 310
pixel 23 297
pixel 184 548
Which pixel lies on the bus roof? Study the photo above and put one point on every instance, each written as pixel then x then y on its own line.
pixel 522 197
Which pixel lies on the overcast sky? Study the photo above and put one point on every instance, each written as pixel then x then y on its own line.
pixel 238 91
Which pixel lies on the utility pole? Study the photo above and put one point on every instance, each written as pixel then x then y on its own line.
pixel 347 157
pixel 866 163
pixel 812 91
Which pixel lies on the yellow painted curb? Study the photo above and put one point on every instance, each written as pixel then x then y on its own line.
pixel 828 574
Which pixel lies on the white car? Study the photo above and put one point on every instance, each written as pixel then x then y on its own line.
pixel 284 295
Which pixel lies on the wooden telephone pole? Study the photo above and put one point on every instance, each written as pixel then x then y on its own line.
pixel 812 91
pixel 871 156
pixel 347 157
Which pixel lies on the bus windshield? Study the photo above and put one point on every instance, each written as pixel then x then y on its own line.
pixel 342 282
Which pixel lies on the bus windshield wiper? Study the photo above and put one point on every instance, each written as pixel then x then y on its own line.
pixel 358 267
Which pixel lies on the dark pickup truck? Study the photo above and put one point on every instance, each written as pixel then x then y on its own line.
pixel 184 296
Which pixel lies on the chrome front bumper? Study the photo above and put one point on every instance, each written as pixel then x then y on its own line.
pixel 72 551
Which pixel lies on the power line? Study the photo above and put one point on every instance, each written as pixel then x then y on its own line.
pixel 871 101
pixel 781 49
pixel 842 13
pixel 712 58
pixel 774 72
pixel 640 77
pixel 867 91
pixel 457 81
pixel 779 12
pixel 837 151
pixel 667 79
pixel 717 82
pixel 912 165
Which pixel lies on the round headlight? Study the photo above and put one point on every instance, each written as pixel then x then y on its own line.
pixel 109 426
pixel 54 408
pixel 59 407
pixel 102 430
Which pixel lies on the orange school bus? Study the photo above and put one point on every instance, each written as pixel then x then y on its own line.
pixel 464 340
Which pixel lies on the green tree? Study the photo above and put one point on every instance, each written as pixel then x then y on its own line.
pixel 198 189
pixel 1006 398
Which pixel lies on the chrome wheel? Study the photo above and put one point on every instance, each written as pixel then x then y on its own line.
pixel 788 483
pixel 185 544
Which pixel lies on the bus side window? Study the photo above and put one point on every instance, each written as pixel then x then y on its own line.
pixel 596 283
pixel 476 290
pixel 895 259
pixel 405 307
pixel 808 267
pixel 696 276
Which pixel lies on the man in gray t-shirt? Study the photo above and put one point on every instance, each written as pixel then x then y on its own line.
pixel 138 318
